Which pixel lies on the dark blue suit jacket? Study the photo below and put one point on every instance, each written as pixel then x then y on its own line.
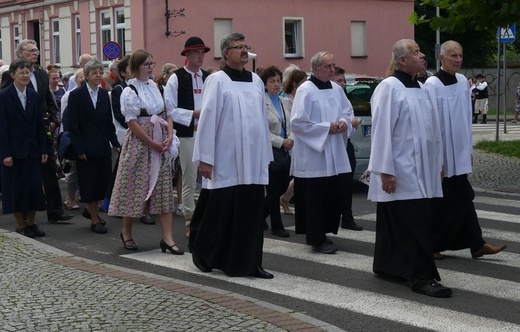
pixel 22 132
pixel 91 129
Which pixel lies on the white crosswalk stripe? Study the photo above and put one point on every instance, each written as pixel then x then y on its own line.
pixel 383 303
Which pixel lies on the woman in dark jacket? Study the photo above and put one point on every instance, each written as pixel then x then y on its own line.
pixel 89 122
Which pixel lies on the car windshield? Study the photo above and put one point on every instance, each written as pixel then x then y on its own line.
pixel 359 94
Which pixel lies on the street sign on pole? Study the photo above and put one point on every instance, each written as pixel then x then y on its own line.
pixel 111 50
pixel 507 35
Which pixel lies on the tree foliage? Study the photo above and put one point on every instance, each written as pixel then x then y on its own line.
pixel 464 15
pixel 473 23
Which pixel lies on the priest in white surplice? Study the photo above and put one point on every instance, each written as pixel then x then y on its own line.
pixel 457 225
pixel 321 119
pixel 233 151
pixel 405 165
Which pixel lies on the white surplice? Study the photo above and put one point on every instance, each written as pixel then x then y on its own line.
pixel 233 134
pixel 452 103
pixel 316 153
pixel 405 143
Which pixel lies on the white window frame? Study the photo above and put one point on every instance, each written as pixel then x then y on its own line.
pixel 358 39
pixel 77 35
pixel 120 29
pixel 221 28
pixel 16 37
pixel 296 34
pixel 103 29
pixel 55 31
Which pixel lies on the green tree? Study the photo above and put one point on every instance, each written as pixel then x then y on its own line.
pixel 472 23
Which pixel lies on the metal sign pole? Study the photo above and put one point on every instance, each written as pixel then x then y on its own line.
pixel 498 90
pixel 505 89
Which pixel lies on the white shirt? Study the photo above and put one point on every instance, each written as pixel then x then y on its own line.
pixel 233 135
pixel 405 143
pixel 452 103
pixel 171 94
pixel 149 99
pixel 93 94
pixel 316 153
pixel 33 80
pixel 23 97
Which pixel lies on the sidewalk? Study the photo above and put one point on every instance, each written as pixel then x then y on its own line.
pixel 46 289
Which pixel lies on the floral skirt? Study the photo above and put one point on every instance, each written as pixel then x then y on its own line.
pixel 132 180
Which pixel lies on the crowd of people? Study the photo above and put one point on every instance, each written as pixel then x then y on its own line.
pixel 256 139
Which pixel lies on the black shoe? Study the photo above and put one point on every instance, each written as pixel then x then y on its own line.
pixel 325 248
pixel 62 217
pixel 87 215
pixel 351 225
pixel 26 231
pixel 171 249
pixel 38 232
pixel 262 274
pixel 280 232
pixel 431 288
pixel 198 262
pixel 128 244
pixel 147 220
pixel 99 227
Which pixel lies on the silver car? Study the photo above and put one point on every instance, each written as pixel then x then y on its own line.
pixel 359 90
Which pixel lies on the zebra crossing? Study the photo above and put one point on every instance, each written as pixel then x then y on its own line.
pixel 486 291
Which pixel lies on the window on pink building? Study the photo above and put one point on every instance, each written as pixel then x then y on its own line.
pixel 358 38
pixel 56 55
pixel 77 36
pixel 293 37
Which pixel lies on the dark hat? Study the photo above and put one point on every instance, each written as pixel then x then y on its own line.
pixel 479 76
pixel 194 43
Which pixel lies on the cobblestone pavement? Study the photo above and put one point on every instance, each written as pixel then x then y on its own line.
pixel 45 289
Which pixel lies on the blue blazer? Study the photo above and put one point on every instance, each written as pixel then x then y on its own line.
pixel 22 132
pixel 91 128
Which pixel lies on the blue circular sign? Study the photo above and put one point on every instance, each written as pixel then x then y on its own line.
pixel 112 50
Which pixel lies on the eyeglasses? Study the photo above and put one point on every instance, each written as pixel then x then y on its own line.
pixel 33 51
pixel 240 47
pixel 150 64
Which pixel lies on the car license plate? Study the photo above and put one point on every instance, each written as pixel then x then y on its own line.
pixel 367 131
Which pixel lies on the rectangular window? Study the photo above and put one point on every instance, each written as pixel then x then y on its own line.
pixel 77 36
pixel 293 37
pixel 358 39
pixel 221 28
pixel 120 29
pixel 56 56
pixel 1 44
pixel 16 36
pixel 105 30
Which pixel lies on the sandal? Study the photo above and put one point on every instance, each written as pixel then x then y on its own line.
pixel 128 246
pixel 71 205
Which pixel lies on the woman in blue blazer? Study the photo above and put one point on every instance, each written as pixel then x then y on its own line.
pixel 23 147
pixel 89 121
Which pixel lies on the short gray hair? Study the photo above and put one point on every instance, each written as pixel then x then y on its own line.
pixel 316 59
pixel 226 42
pixel 22 45
pixel 400 49
pixel 448 46
pixel 91 66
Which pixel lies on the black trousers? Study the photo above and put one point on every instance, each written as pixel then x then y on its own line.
pixel 346 211
pixel 278 182
pixel 51 186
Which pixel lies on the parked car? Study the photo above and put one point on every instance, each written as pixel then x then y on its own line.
pixel 359 90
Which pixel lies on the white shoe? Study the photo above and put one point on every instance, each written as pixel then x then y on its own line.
pixel 179 210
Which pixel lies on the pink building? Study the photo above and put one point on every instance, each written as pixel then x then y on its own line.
pixel 359 32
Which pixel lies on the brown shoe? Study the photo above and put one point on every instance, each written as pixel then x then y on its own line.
pixel 487 249
pixel 438 256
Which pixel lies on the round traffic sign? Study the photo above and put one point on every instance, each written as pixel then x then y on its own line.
pixel 112 50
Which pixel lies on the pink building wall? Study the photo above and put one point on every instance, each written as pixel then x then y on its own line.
pixel 326 28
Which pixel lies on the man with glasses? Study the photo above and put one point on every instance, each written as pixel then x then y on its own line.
pixel 183 97
pixel 233 152
pixel 27 49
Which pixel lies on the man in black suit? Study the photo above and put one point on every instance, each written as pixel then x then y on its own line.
pixel 27 49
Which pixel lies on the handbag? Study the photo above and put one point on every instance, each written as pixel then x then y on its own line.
pixel 65 148
pixel 282 160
